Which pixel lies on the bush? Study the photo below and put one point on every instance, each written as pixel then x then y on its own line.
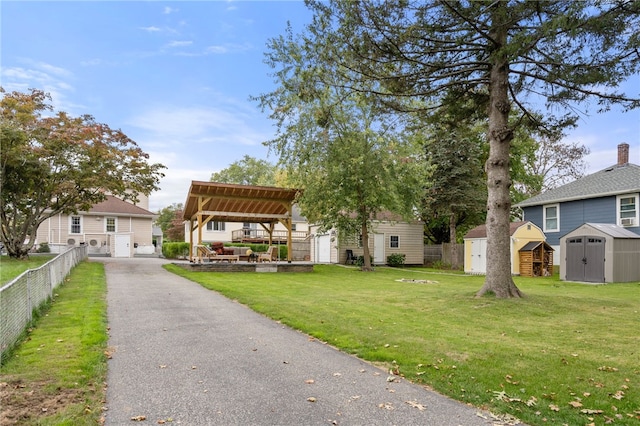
pixel 396 259
pixel 360 261
pixel 175 250
pixel 44 248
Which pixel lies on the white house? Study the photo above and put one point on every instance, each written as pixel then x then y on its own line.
pixel 113 227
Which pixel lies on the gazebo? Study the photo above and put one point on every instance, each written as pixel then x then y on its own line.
pixel 227 202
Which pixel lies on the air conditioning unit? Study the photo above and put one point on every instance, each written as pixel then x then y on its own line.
pixel 628 221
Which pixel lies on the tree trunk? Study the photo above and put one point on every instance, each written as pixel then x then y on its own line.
pixel 498 279
pixel 366 266
pixel 17 250
pixel 453 247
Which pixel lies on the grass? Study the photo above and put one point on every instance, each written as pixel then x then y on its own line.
pixel 11 268
pixel 56 375
pixel 566 354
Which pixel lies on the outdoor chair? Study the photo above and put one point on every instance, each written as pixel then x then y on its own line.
pixel 269 256
pixel 351 258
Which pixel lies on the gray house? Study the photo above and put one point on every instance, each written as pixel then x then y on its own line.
pixel 610 196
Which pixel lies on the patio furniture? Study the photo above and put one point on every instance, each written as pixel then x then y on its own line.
pixel 351 258
pixel 269 256
pixel 205 253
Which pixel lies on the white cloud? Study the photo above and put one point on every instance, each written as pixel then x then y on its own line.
pixel 151 29
pixel 228 47
pixel 179 43
pixel 169 10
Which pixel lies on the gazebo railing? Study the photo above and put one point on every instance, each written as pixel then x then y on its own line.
pixel 247 235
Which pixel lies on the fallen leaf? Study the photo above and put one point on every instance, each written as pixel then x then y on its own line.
pixel 311 399
pixel 588 411
pixel 618 395
pixel 139 418
pixel 575 404
pixel 554 407
pixel 415 404
pixel 310 381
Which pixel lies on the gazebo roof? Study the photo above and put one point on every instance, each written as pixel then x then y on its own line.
pixel 238 203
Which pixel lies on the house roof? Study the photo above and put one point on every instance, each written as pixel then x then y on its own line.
pixel 611 230
pixel 228 202
pixel 481 230
pixel 532 245
pixel 614 180
pixel 117 207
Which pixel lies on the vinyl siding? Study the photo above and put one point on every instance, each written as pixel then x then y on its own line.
pixel 411 242
pixel 573 214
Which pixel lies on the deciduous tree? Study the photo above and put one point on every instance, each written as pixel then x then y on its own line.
pixel 248 171
pixel 347 158
pixel 60 164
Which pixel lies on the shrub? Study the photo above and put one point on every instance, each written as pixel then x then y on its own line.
pixel 175 250
pixel 360 261
pixel 396 259
pixel 44 248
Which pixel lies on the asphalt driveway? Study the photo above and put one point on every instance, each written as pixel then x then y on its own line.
pixel 182 354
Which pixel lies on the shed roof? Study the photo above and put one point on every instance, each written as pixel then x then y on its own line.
pixel 481 230
pixel 532 245
pixel 614 231
pixel 228 202
pixel 614 180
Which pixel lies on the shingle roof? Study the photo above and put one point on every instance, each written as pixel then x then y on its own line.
pixel 614 180
pixel 116 206
pixel 532 245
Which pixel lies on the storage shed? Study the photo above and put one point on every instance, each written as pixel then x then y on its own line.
pixel 536 259
pixel 475 246
pixel 600 253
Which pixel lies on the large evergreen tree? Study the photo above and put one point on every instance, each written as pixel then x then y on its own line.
pixel 505 54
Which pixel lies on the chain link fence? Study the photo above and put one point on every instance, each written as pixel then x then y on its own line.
pixel 20 298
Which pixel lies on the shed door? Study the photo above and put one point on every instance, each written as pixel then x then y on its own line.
pixel 585 259
pixel 478 255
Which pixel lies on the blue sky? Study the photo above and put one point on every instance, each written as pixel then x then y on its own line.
pixel 176 77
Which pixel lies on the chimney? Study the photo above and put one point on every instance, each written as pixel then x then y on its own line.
pixel 623 154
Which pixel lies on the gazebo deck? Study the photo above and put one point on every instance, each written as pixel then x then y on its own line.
pixel 281 266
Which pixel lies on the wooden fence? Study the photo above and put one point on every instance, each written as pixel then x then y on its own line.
pixel 442 253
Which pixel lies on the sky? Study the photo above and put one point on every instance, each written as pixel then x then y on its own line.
pixel 177 77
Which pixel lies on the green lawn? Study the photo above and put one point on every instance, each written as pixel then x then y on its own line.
pixel 11 268
pixel 56 375
pixel 566 354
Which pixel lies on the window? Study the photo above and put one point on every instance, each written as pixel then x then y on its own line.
pixel 214 225
pixel 110 224
pixel 551 218
pixel 293 226
pixel 394 241
pixel 75 225
pixel 627 206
